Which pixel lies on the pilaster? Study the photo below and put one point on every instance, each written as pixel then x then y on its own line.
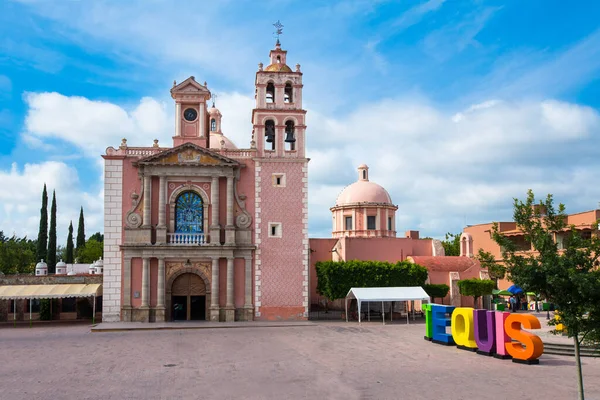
pixel 230 228
pixel 215 228
pixel 161 228
pixel 160 295
pixel 230 305
pixel 214 291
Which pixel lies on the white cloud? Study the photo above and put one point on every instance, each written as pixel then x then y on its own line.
pixel 94 125
pixel 21 194
pixel 440 169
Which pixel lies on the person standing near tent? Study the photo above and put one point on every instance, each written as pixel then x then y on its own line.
pixel 513 304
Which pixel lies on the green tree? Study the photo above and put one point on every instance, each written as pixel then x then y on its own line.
pixel 437 291
pixel 476 288
pixel 98 237
pixel 52 237
pixel 42 242
pixel 80 243
pixel 69 257
pixel 91 252
pixel 488 261
pixel 568 277
pixel 452 244
pixel 17 255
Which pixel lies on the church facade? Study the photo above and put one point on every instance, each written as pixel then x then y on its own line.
pixel 203 230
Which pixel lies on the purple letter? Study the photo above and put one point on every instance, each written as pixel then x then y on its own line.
pixel 484 330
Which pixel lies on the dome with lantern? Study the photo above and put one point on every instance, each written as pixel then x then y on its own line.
pixel 217 139
pixel 363 191
pixel 364 209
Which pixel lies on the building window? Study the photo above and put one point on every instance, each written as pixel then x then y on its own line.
pixel 213 125
pixel 270 135
pixel 68 305
pixel 278 180
pixel 390 223
pixel 371 222
pixel 189 213
pixel 275 229
pixel 348 222
pixel 35 305
pixel 290 136
pixel 270 93
pixel 287 93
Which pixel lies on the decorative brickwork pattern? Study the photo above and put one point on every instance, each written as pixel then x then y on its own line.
pixel 282 262
pixel 113 225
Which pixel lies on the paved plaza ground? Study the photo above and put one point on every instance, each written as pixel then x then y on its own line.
pixel 333 360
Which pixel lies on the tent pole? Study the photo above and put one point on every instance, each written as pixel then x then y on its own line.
pixel 346 309
pixel 15 313
pixel 94 311
pixel 382 313
pixel 30 302
pixel 407 321
pixel 369 312
pixel 391 310
pixel 359 304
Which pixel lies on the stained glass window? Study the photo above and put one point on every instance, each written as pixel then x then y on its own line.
pixel 189 213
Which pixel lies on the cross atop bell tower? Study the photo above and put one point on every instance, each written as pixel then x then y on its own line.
pixel 278 118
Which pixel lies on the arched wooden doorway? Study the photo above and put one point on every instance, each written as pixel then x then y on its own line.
pixel 188 298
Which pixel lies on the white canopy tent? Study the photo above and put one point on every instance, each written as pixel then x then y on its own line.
pixel 382 294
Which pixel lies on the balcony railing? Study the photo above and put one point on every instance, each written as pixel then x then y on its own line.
pixel 187 239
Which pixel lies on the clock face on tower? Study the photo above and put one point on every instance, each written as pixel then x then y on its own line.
pixel 190 114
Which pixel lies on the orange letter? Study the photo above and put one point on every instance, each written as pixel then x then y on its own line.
pixel 462 328
pixel 529 347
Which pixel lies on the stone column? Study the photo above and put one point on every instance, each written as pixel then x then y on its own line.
pixel 144 308
pixel 215 228
pixel 230 228
pixel 202 119
pixel 160 291
pixel 248 309
pixel 214 291
pixel 230 305
pixel 146 222
pixel 126 311
pixel 161 228
pixel 178 119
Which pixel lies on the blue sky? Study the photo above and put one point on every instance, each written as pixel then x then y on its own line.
pixel 457 106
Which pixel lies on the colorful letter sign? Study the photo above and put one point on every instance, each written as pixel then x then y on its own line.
pixel 488 332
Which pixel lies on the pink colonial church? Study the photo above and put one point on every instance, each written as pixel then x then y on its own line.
pixel 203 230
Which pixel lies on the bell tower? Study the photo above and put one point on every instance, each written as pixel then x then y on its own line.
pixel 278 119
pixel 281 191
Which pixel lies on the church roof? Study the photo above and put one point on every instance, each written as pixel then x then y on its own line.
pixel 446 263
pixel 278 68
pixel 189 153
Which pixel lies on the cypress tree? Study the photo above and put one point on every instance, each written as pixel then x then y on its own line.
pixel 69 256
pixel 52 237
pixel 42 241
pixel 80 244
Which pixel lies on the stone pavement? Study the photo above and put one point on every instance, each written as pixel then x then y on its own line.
pixel 322 361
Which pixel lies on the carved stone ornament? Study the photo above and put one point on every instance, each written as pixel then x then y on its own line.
pixel 132 218
pixel 243 220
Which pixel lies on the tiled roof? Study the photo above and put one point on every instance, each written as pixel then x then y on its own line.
pixel 446 263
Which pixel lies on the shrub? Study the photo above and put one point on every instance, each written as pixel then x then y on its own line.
pixel 336 278
pixel 437 291
pixel 476 288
